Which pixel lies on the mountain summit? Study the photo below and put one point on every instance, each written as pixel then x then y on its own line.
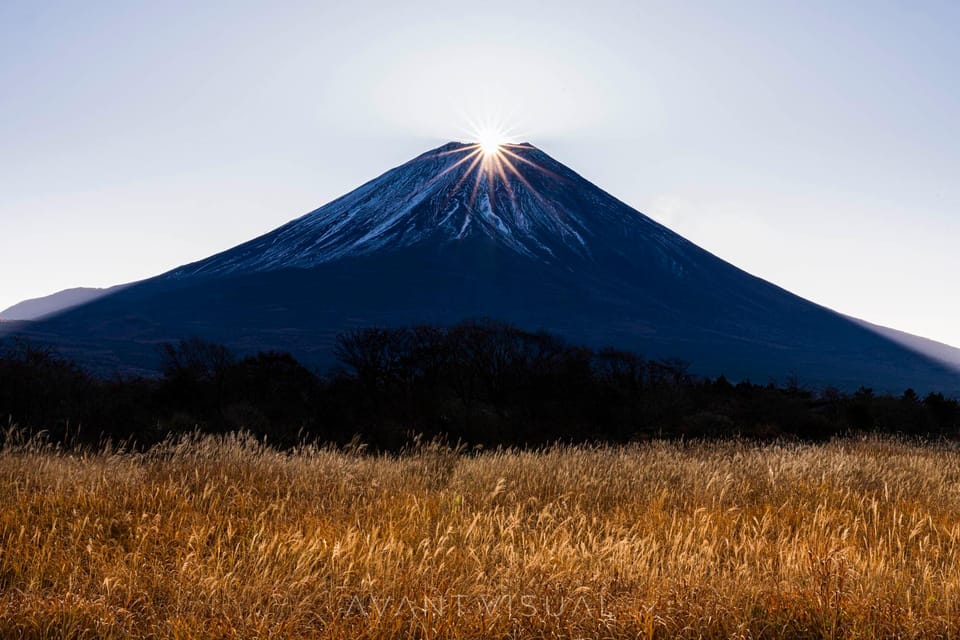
pixel 460 232
pixel 518 198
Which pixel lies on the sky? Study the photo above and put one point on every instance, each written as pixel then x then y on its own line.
pixel 813 144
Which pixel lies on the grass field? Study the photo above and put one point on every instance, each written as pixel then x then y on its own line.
pixel 226 538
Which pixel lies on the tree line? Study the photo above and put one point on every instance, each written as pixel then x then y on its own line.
pixel 479 383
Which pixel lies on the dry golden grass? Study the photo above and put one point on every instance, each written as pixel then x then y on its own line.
pixel 226 538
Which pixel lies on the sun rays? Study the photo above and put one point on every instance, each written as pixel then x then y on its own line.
pixel 492 160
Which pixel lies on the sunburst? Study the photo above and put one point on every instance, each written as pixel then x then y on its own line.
pixel 490 141
pixel 493 158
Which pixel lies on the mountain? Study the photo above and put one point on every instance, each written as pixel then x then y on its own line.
pixel 944 353
pixel 37 308
pixel 514 235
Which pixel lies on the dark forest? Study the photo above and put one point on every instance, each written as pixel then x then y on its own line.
pixel 480 383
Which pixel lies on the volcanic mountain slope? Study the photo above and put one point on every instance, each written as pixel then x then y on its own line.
pixel 37 308
pixel 514 235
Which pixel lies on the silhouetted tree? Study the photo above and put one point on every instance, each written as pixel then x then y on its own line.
pixel 195 372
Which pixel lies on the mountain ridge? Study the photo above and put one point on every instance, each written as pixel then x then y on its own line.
pixel 57 302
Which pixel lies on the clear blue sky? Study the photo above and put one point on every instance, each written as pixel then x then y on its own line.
pixel 815 144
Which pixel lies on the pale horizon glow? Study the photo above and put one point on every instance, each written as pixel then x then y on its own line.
pixel 811 144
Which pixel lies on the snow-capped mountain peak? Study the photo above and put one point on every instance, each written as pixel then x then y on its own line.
pixel 520 198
